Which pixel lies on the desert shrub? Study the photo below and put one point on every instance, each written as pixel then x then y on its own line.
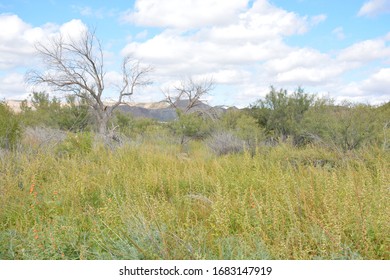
pixel 76 143
pixel 280 113
pixel 346 127
pixel 73 115
pixel 223 143
pixel 191 126
pixel 243 126
pixel 43 138
pixel 130 126
pixel 10 127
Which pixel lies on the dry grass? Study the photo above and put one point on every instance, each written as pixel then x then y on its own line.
pixel 146 202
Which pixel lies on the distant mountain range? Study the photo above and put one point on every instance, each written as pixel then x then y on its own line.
pixel 161 111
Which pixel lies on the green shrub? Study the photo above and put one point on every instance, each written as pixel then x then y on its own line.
pixel 72 116
pixel 10 127
pixel 281 113
pixel 191 126
pixel 346 127
pixel 76 144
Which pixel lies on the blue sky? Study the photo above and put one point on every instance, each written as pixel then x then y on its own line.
pixel 340 49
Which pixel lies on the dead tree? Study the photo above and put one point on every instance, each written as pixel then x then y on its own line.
pixel 76 66
pixel 186 99
pixel 187 96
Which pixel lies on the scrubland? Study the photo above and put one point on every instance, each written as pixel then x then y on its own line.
pixel 289 178
pixel 151 201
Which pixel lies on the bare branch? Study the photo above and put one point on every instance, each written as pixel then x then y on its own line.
pixel 76 65
pixel 190 91
pixel 133 76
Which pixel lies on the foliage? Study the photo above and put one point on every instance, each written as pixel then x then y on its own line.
pixel 242 125
pixel 72 116
pixel 10 127
pixel 130 126
pixel 76 144
pixel 281 114
pixel 348 127
pixel 190 126
pixel 75 115
pixel 144 202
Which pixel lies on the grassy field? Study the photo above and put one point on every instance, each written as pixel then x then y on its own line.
pixel 150 201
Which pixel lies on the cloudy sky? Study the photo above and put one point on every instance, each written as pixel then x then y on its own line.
pixel 340 49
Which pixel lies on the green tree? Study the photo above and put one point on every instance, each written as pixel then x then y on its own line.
pixel 280 113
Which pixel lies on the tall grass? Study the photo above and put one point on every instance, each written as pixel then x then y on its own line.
pixel 148 202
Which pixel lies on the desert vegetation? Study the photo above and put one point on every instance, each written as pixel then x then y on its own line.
pixel 292 176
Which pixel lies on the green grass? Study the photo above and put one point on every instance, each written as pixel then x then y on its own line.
pixel 148 202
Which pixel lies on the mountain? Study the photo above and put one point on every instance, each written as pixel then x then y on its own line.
pixel 167 113
pixel 160 111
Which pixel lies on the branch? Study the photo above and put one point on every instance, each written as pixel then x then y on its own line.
pixel 133 76
pixel 189 90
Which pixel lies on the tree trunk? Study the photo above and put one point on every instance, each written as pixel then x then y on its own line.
pixel 102 125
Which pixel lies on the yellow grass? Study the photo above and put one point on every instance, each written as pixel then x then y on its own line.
pixel 152 202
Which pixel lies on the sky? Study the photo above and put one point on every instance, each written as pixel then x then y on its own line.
pixel 336 49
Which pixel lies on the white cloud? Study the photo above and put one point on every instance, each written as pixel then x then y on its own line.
pixel 72 29
pixel 241 44
pixel 251 36
pixel 365 51
pixel 248 52
pixel 378 83
pixel 304 66
pixel 373 90
pixel 184 14
pixel 12 86
pixel 374 7
pixel 17 38
pixel 262 22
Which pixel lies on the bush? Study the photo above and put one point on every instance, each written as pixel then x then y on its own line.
pixel 72 116
pixel 10 128
pixel 45 138
pixel 76 143
pixel 280 113
pixel 223 143
pixel 190 126
pixel 347 127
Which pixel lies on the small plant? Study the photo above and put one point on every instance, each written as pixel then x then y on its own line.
pixel 223 143
pixel 76 143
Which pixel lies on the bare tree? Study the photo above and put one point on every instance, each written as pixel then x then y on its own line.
pixel 191 111
pixel 189 94
pixel 76 66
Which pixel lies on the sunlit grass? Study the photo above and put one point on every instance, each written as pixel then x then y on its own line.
pixel 152 201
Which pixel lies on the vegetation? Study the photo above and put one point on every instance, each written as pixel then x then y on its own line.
pixel 10 127
pixel 309 181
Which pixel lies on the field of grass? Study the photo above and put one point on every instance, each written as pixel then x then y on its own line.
pixel 150 201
